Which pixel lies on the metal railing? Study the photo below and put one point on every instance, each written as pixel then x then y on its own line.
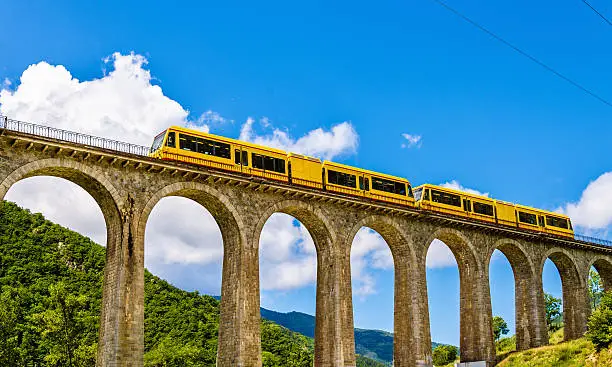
pixel 599 241
pixel 72 137
pixel 119 146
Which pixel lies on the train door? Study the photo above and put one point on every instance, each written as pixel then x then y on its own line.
pixel 241 159
pixel 364 185
pixel 542 223
pixel 467 207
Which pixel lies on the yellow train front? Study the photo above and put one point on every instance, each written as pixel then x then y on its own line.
pixel 448 201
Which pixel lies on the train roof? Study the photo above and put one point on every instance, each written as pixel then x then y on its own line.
pixel 356 169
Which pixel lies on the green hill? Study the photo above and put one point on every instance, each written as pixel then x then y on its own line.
pixel 51 290
pixel 375 344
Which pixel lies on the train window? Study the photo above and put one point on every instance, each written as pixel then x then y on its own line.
pixel 410 191
pixel 367 184
pixel 484 209
pixel 237 156
pixel 392 187
pixel 426 196
pixel 341 178
pixel 527 218
pixel 557 222
pixel 157 142
pixel 268 163
pixel 445 198
pixel 361 184
pixel 204 146
pixel 418 193
pixel 245 158
pixel 171 142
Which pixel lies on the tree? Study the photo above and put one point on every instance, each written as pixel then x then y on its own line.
pixel 499 327
pixel 595 288
pixel 600 323
pixel 553 312
pixel 444 354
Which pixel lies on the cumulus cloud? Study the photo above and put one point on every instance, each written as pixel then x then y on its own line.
pixel 287 253
pixel 122 105
pixel 369 251
pixel 439 256
pixel 412 141
pixel 457 186
pixel 594 209
pixel 340 140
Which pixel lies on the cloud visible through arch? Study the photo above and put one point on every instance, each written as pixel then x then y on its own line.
pixel 183 243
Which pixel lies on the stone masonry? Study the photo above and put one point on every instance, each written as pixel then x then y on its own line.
pixel 127 188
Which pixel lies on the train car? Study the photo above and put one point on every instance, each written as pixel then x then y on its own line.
pixel 449 201
pixel 305 170
pixel 543 221
pixel 360 182
pixel 197 147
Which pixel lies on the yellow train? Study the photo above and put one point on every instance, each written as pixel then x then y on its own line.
pixel 444 200
pixel 196 147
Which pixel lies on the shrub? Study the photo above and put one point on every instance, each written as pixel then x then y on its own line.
pixel 444 354
pixel 600 323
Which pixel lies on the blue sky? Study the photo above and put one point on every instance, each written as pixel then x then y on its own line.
pixel 487 117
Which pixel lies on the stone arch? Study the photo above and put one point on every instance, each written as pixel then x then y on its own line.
pixel 113 207
pixel 239 329
pixel 603 265
pixel 219 206
pixel 87 177
pixel 476 334
pixel 310 216
pixel 407 347
pixel 530 324
pixel 575 298
pixel 461 247
pixel 331 295
pixel 398 240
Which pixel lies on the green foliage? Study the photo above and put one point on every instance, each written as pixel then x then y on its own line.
pixel 50 295
pixel 600 323
pixel 367 362
pixel 505 345
pixel 553 312
pixel 499 327
pixel 444 354
pixel 595 288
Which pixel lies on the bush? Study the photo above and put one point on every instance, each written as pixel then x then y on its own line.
pixel 444 354
pixel 600 323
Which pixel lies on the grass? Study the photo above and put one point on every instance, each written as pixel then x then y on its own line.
pixel 575 353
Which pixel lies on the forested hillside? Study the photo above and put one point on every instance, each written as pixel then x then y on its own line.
pixel 375 344
pixel 51 290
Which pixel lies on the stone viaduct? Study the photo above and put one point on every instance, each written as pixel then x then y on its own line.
pixel 127 186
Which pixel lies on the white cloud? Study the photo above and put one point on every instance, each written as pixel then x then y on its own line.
pixel 287 254
pixel 594 209
pixel 341 139
pixel 439 255
pixel 369 251
pixel 412 141
pixel 457 186
pixel 122 105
